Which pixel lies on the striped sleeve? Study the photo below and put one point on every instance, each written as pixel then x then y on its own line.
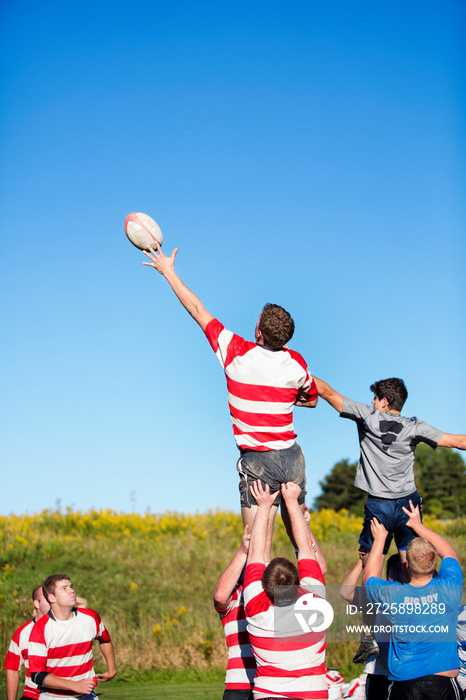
pixel 37 647
pixel 14 660
pixel 102 635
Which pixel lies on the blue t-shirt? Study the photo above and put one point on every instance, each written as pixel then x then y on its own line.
pixel 423 621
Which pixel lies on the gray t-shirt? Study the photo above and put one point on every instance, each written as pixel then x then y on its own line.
pixel 387 442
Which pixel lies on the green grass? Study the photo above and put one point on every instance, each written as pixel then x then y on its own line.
pixel 152 578
pixel 147 691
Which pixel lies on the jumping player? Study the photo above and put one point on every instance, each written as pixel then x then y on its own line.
pixel 60 645
pixel 264 381
pixel 385 471
pixel 388 442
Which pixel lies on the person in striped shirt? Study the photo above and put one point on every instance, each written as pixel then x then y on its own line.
pixel 229 603
pixel 17 654
pixel 290 663
pixel 265 379
pixel 60 645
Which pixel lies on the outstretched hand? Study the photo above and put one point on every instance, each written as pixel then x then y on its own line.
pixel 414 516
pixel 159 260
pixel 262 495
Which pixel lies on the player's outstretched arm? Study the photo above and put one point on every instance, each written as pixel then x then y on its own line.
pixel 456 441
pixel 166 267
pixel 228 580
pixel 330 395
pixel 443 547
pixel 258 541
pixel 109 655
pixel 300 528
pixel 375 559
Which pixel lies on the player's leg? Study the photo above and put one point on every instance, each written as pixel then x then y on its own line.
pixel 287 521
pixel 249 513
pixel 374 508
pixel 291 466
pixel 404 534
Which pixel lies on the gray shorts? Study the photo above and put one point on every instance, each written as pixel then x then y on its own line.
pixel 272 467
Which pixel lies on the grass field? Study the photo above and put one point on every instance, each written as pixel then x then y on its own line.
pixel 148 691
pixel 152 577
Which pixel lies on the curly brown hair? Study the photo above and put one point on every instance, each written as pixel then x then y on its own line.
pixel 276 326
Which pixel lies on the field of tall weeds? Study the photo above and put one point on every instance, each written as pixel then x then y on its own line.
pixel 151 577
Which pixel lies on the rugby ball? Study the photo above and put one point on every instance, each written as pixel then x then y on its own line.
pixel 142 230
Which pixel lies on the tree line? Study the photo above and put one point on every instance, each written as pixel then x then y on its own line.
pixel 440 477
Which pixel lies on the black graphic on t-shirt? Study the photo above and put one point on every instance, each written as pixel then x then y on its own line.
pixel 390 430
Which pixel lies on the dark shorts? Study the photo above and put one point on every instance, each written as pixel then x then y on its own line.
pixel 376 687
pixel 273 467
pixel 426 688
pixel 238 694
pixel 388 511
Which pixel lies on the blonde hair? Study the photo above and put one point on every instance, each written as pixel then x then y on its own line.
pixel 422 557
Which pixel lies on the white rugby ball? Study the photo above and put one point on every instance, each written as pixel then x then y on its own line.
pixel 142 230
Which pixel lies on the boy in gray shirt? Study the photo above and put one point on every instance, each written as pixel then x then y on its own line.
pixel 385 470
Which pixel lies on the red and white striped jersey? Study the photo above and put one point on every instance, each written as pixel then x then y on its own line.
pixel 17 655
pixel 263 385
pixel 64 647
pixel 241 665
pixel 292 666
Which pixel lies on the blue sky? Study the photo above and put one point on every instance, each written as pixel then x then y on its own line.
pixel 310 154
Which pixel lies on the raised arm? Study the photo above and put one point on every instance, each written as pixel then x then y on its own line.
pixel 444 548
pixel 449 440
pixel 349 583
pixel 374 561
pixel 258 541
pixel 228 580
pixel 299 526
pixel 330 395
pixel 166 267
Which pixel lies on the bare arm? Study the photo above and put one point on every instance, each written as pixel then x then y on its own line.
pixel 349 583
pixel 449 440
pixel 375 559
pixel 443 547
pixel 12 684
pixel 307 404
pixel 258 541
pixel 228 580
pixel 82 687
pixel 330 395
pixel 299 526
pixel 166 267
pixel 109 655
pixel 319 553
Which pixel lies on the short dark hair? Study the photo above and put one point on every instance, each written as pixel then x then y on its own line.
pixel 393 560
pixel 394 390
pixel 35 593
pixel 48 587
pixel 276 326
pixel 280 572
